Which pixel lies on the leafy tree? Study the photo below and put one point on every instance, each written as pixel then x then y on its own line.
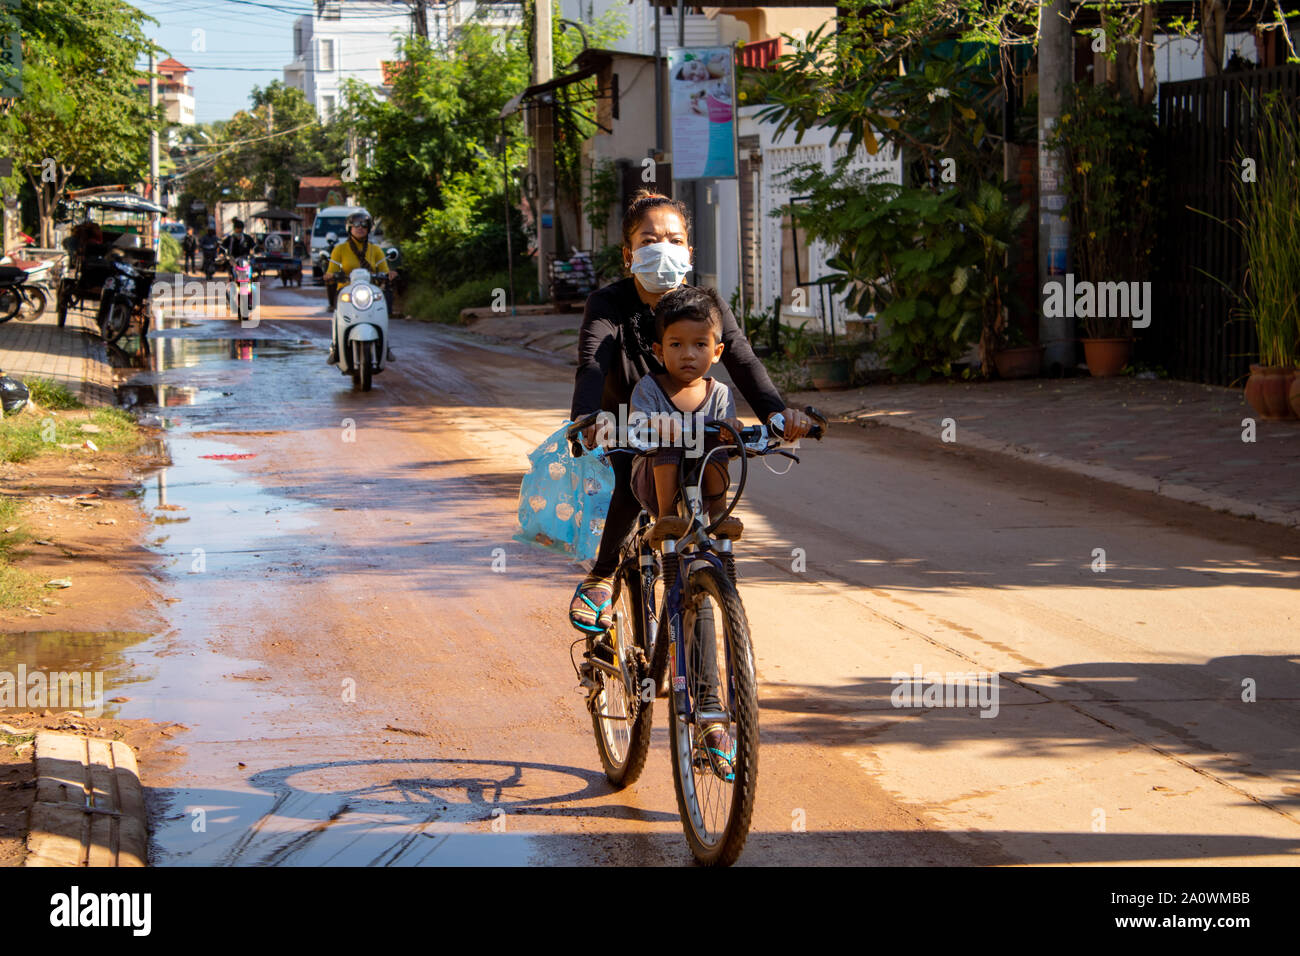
pixel 434 170
pixel 81 112
pixel 262 152
pixel 927 255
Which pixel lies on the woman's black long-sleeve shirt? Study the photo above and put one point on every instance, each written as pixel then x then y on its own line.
pixel 614 353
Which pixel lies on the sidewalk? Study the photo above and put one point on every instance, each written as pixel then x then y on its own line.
pixel 74 356
pixel 1176 439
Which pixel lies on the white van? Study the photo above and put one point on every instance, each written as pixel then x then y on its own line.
pixel 334 219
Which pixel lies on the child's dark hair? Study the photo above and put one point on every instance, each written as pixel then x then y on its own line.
pixel 689 302
pixel 643 200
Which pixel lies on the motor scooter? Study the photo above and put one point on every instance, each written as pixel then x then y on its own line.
pixel 25 285
pixel 243 294
pixel 361 328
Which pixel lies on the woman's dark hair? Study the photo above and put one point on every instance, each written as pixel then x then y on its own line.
pixel 689 302
pixel 643 200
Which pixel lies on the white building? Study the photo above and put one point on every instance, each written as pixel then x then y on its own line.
pixel 354 39
pixel 341 40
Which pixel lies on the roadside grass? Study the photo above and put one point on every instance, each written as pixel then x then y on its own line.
pixel 427 304
pixel 48 394
pixel 17 587
pixel 35 432
pixel 29 433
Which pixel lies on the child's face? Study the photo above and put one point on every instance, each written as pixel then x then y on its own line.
pixel 688 350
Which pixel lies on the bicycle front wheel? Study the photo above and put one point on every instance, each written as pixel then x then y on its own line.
pixel 622 711
pixel 715 749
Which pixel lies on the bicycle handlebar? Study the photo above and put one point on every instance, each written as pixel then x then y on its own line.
pixel 756 439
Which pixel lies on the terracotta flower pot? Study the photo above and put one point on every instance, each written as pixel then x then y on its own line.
pixel 1293 394
pixel 1106 357
pixel 1266 391
pixel 1023 361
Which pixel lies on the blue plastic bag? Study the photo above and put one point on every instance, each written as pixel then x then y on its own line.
pixel 563 500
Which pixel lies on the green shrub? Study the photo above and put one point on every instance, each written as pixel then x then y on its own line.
pixel 429 304
pixel 169 254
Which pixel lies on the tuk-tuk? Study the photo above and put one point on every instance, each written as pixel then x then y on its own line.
pixel 108 261
pixel 280 247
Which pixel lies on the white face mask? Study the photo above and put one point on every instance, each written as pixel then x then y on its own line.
pixel 661 266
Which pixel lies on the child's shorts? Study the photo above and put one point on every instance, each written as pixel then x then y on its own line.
pixel 643 471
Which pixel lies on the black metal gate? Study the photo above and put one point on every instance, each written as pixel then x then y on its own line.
pixel 1207 126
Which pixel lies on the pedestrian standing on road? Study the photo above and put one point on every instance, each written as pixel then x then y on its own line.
pixel 615 352
pixel 190 246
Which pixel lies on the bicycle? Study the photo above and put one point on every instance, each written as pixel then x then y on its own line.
pixel 681 569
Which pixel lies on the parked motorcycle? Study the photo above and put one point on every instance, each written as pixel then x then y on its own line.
pixel 125 292
pixel 242 292
pixel 361 328
pixel 24 286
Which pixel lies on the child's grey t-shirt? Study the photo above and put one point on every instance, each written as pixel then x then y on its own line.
pixel 649 398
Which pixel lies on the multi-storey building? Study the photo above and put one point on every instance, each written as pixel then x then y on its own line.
pixel 360 39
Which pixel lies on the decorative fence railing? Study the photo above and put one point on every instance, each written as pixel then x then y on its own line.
pixel 1207 126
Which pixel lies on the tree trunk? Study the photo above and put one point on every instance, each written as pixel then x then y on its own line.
pixel 1213 17
pixel 1148 53
pixel 1126 62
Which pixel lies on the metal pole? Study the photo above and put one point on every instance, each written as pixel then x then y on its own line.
pixel 153 154
pixel 681 22
pixel 544 140
pixel 735 152
pixel 505 186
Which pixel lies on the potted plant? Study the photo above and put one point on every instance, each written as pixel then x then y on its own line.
pixel 1271 211
pixel 1114 192
pixel 1270 299
pixel 1015 356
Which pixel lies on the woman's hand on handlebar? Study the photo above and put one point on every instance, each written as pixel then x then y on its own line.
pixel 797 424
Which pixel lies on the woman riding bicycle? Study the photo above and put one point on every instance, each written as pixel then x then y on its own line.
pixel 614 354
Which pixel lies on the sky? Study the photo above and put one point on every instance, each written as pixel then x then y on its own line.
pixel 243 43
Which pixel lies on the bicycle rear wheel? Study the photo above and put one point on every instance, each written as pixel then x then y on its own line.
pixel 623 709
pixel 716 811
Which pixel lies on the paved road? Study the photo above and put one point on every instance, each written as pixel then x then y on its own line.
pixel 361 687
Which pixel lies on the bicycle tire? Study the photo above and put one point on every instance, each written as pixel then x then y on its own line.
pixel 623 770
pixel 726 847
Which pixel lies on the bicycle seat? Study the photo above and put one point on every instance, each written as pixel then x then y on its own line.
pixel 669 526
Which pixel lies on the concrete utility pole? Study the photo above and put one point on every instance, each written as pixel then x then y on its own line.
pixel 543 115
pixel 153 154
pixel 1054 74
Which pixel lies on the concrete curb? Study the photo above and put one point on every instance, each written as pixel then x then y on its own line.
pixel 89 808
pixel 1114 476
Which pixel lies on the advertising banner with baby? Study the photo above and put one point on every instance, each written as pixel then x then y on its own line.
pixel 702 84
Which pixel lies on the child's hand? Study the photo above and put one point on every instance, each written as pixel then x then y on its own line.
pixel 669 432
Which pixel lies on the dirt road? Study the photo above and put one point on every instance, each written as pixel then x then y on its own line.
pixel 362 686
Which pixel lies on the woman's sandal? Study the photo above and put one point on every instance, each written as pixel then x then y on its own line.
pixel 590 608
pixel 720 749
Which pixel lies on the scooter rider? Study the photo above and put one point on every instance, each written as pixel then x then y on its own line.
pixel 355 252
pixel 209 245
pixel 238 243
